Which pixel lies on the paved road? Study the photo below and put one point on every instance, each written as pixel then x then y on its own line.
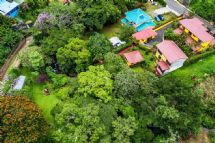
pixel 160 37
pixel 176 7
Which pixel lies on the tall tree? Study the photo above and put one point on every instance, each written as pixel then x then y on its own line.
pixel 187 111
pixel 99 45
pixel 96 13
pixel 74 56
pixel 126 33
pixel 31 57
pixel 123 129
pixel 96 82
pixel 127 84
pixel 21 121
pixel 113 63
pixel 77 122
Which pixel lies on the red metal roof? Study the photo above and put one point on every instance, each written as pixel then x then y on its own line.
pixel 196 27
pixel 171 51
pixel 164 66
pixel 145 34
pixel 125 50
pixel 133 57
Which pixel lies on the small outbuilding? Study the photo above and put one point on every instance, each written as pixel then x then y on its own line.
pixel 19 83
pixel 133 57
pixel 9 9
pixel 116 41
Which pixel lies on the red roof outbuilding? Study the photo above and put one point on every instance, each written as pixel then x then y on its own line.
pixel 145 34
pixel 171 51
pixel 133 57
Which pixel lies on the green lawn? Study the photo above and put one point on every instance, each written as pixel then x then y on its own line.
pixel 149 60
pixel 111 30
pixel 46 103
pixel 151 8
pixel 200 70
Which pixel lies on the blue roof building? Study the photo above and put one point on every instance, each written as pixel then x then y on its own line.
pixel 9 9
pixel 138 18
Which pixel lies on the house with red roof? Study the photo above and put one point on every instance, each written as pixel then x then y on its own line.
pixel 198 32
pixel 133 57
pixel 145 35
pixel 169 57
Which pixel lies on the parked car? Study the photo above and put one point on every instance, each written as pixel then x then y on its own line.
pixel 157 18
pixel 161 17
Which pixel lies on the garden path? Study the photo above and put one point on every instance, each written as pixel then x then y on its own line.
pixel 5 77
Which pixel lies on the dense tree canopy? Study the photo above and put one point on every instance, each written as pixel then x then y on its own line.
pixel 113 63
pixel 96 13
pixel 205 10
pixel 93 96
pixel 127 84
pixel 77 122
pixel 96 82
pixel 123 129
pixel 9 38
pixel 30 8
pixel 31 57
pixel 74 56
pixel 99 45
pixel 21 121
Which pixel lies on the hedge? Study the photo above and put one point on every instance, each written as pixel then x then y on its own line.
pixel 198 57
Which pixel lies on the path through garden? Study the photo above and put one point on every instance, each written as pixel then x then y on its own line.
pixel 5 77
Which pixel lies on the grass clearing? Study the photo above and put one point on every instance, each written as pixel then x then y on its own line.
pixel 149 8
pixel 46 103
pixel 149 60
pixel 199 70
pixel 111 30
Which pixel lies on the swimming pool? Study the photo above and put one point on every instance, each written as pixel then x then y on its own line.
pixel 145 25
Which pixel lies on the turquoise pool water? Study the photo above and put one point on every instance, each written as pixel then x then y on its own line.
pixel 145 25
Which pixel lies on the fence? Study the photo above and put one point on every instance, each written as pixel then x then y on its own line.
pixel 6 65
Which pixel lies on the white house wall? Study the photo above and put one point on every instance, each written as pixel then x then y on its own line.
pixel 177 64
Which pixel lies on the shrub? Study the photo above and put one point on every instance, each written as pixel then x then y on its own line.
pixel 208 122
pixel 198 57
pixel 42 78
pixel 63 93
pixel 212 136
pixel 162 2
pixel 58 80
pixel 145 48
pixel 6 87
